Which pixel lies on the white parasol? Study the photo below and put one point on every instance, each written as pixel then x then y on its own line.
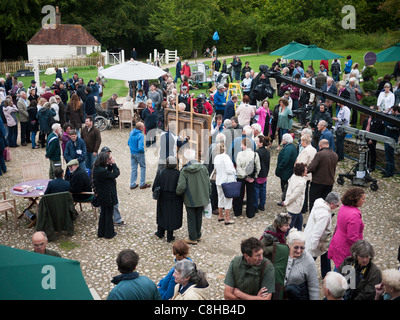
pixel 132 71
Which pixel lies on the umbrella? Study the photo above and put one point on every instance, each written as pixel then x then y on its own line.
pixel 390 54
pixel 312 52
pixel 26 275
pixel 133 71
pixel 289 48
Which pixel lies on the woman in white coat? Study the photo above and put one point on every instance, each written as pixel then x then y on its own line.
pixel 295 195
pixel 306 155
pixel 318 230
pixel 225 172
pixel 386 99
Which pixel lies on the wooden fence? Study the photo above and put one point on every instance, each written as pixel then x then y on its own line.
pixel 14 66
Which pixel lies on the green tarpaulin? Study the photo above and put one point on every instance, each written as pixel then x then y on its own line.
pixel 312 52
pixel 389 55
pixel 26 275
pixel 289 48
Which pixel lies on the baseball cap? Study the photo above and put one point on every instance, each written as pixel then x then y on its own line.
pixel 105 149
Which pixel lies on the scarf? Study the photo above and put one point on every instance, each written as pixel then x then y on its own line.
pixel 151 110
pixel 280 235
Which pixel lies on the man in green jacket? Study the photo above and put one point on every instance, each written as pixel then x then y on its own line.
pixel 250 276
pixel 285 163
pixel 53 149
pixel 194 184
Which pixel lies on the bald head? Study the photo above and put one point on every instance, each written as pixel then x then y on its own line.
pixel 39 242
pixel 323 144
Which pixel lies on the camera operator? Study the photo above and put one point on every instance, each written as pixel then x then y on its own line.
pixel 321 114
pixel 306 100
pixel 374 125
pixel 72 83
pixel 261 86
pixel 393 131
pixel 342 119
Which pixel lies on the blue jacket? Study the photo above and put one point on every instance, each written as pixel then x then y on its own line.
pixel 75 150
pixel 219 99
pixel 327 134
pixel 131 286
pixel 229 110
pixel 136 141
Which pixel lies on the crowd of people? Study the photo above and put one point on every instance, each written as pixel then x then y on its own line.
pixel 242 137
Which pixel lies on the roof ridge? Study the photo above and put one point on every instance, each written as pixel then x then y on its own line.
pixel 58 36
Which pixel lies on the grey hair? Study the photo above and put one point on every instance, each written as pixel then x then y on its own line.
pixel 56 126
pixel 227 123
pixel 333 197
pixel 336 284
pixel 324 123
pixel 391 278
pixel 362 248
pixel 294 235
pixel 256 126
pixel 220 138
pixel 287 137
pixel 187 268
pixel 247 130
pixel 189 154
pixel 306 131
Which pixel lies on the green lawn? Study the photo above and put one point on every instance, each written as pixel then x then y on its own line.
pixel 87 73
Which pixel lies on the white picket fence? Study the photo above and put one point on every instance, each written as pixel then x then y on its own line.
pixel 165 58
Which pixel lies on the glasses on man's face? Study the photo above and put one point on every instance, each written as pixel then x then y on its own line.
pixel 38 245
pixel 299 247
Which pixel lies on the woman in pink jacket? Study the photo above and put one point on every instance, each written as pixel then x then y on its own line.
pixel 349 226
pixel 264 117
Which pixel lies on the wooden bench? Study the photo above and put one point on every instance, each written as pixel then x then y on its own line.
pixel 247 49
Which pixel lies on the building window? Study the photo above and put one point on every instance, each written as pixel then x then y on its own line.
pixel 81 51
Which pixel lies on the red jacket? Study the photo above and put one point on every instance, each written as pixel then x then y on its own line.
pixel 186 70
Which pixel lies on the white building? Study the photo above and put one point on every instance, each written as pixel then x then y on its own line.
pixel 63 41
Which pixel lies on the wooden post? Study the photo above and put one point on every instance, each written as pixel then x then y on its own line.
pixel 177 130
pixel 191 122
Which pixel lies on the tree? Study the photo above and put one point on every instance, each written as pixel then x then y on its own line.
pixel 184 25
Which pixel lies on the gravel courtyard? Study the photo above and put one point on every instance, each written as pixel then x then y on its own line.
pixel 219 243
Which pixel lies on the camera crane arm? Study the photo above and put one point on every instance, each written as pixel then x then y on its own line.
pixel 363 135
pixel 335 98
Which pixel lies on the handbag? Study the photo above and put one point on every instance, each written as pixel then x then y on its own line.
pixel 95 201
pixel 7 154
pixel 325 241
pixel 359 96
pixel 297 291
pixel 232 189
pixel 157 190
pixel 156 193
pixel 213 175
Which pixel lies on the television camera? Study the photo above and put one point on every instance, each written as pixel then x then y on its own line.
pixel 359 173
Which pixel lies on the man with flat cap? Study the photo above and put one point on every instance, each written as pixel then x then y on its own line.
pixel 79 181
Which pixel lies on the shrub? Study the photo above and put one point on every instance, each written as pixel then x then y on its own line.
pixel 369 101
